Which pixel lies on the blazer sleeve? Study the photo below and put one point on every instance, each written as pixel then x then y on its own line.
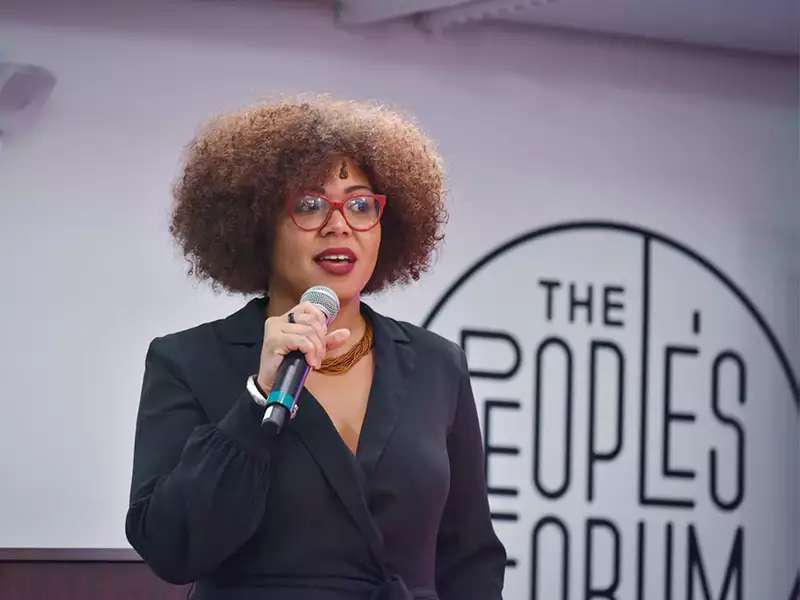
pixel 198 489
pixel 470 559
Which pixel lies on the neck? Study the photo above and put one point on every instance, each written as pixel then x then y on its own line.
pixel 349 317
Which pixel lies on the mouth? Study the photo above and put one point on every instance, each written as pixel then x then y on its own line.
pixel 336 256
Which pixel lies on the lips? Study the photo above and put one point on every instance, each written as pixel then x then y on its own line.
pixel 336 256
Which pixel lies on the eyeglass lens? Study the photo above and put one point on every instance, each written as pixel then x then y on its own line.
pixel 360 212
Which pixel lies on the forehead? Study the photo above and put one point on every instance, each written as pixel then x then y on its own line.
pixel 341 174
pixel 344 174
pixel 345 168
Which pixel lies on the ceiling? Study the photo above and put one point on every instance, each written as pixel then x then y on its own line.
pixel 765 26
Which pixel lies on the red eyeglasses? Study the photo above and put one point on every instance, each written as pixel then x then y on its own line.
pixel 310 211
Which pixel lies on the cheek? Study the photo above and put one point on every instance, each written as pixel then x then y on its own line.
pixel 376 242
pixel 372 247
pixel 281 235
pixel 289 249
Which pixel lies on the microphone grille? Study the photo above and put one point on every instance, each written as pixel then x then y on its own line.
pixel 325 298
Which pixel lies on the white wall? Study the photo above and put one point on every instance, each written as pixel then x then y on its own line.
pixel 699 145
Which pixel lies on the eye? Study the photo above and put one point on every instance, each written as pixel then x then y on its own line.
pixel 306 204
pixel 360 204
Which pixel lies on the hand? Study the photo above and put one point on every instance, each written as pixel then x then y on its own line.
pixel 308 334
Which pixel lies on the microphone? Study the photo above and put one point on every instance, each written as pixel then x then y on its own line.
pixel 292 372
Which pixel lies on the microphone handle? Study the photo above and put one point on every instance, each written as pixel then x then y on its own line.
pixel 282 398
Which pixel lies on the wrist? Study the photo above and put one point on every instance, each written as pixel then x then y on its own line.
pixel 256 391
pixel 261 386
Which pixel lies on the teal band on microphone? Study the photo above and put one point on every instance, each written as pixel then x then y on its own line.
pixel 281 397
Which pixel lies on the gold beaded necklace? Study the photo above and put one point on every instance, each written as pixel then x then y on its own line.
pixel 342 364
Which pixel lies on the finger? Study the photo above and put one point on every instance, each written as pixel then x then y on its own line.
pixel 310 319
pixel 312 309
pixel 304 345
pixel 336 338
pixel 310 333
pixel 301 314
pixel 318 332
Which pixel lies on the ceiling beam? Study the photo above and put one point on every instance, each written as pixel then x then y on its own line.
pixel 362 12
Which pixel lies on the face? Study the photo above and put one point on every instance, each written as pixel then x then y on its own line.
pixel 302 259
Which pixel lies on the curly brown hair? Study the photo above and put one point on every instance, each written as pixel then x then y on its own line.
pixel 240 167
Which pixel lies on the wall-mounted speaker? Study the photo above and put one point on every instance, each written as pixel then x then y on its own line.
pixel 23 91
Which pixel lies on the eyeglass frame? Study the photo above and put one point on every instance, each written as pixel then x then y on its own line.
pixel 336 205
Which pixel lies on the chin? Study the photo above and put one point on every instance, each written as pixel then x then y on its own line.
pixel 346 287
pixel 345 291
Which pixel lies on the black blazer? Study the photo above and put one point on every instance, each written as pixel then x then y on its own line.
pixel 215 500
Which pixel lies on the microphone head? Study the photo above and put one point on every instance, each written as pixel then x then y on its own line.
pixel 325 298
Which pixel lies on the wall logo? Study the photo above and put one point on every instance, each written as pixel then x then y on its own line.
pixel 640 419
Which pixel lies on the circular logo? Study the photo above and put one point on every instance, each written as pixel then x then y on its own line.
pixel 640 418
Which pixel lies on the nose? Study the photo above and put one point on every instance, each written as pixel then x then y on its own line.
pixel 336 224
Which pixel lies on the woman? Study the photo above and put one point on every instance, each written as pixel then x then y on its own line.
pixel 375 489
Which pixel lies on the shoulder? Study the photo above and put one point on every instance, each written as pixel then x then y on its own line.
pixel 174 341
pixel 192 356
pixel 243 326
pixel 185 347
pixel 440 365
pixel 431 346
pixel 434 344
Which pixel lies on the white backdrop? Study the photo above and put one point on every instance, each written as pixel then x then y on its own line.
pixel 694 145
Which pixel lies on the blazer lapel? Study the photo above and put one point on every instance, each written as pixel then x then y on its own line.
pixel 316 432
pixel 243 335
pixel 394 361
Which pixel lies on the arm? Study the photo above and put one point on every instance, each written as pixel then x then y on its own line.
pixel 470 560
pixel 198 489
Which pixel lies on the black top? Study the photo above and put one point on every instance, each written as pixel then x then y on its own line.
pixel 214 499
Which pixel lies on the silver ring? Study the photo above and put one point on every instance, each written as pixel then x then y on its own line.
pixel 291 317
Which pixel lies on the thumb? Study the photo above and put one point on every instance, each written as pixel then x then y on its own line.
pixel 336 338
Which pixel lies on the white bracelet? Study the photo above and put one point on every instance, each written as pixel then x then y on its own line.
pixel 253 389
pixel 259 398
